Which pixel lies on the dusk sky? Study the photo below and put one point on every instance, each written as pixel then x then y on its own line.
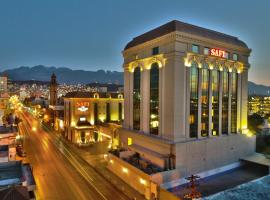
pixel 90 35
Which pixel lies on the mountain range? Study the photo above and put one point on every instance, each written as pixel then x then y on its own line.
pixel 64 75
pixel 69 76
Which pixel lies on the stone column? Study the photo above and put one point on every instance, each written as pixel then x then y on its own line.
pixel 187 134
pixel 131 77
pixel 210 104
pixel 220 102
pixel 167 117
pixel 199 102
pixel 244 100
pixel 179 97
pixel 160 96
pixel 239 91
pixel 126 123
pixel 145 100
pixel 230 103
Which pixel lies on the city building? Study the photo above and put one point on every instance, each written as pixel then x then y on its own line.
pixel 259 105
pixel 3 83
pixel 185 91
pixel 84 112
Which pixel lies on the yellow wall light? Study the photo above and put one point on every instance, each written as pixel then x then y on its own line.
pixel 125 170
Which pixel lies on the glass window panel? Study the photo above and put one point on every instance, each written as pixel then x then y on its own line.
pixel 136 98
pixel 193 117
pixel 205 103
pixel 235 56
pixel 155 51
pixel 234 103
pixel 195 48
pixel 206 51
pixel 215 102
pixel 154 99
pixel 225 101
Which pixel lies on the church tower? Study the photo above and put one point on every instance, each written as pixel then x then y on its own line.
pixel 53 90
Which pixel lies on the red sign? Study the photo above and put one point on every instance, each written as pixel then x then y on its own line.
pixel 80 104
pixel 218 53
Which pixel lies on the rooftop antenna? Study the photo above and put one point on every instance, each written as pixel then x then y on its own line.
pixel 193 183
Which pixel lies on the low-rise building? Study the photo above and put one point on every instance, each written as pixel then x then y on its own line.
pixel 85 111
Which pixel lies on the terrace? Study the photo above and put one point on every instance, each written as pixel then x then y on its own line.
pixel 135 159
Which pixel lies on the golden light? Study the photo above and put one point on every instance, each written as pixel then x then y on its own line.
pixel 125 170
pixel 46 116
pixel 142 181
pixel 187 63
pixel 111 161
pixel 61 124
pixel 73 124
pixel 34 129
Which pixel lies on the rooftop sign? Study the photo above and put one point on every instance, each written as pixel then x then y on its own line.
pixel 218 53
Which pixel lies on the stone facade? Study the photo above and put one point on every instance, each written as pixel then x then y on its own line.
pixel 173 143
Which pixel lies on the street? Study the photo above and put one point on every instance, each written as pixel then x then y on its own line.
pixel 59 172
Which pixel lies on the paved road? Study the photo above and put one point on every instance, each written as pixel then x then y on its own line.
pixel 58 172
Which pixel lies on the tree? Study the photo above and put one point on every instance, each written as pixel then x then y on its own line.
pixel 254 123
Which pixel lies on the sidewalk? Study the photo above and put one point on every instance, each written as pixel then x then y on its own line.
pixel 93 155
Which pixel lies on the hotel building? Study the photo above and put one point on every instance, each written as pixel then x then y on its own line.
pixel 85 111
pixel 185 91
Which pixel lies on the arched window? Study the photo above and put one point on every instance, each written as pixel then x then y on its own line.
pixel 193 117
pixel 234 102
pixel 136 98
pixel 154 99
pixel 205 102
pixel 120 111
pixel 225 101
pixel 95 113
pixel 108 112
pixel 215 101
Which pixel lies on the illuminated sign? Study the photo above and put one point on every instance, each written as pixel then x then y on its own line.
pixel 82 106
pixel 218 53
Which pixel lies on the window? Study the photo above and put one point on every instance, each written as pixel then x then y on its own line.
pixel 155 51
pixel 154 99
pixel 206 51
pixel 120 111
pixel 215 102
pixel 235 57
pixel 136 98
pixel 225 101
pixel 129 141
pixel 195 48
pixel 108 112
pixel 205 103
pixel 95 113
pixel 227 55
pixel 193 117
pixel 234 103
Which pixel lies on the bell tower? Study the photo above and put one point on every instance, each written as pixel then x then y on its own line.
pixel 53 90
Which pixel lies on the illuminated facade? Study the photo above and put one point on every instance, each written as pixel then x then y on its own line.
pixel 3 84
pixel 84 111
pixel 259 105
pixel 186 99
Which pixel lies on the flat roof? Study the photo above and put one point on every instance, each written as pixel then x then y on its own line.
pixel 80 94
pixel 185 28
pixel 257 189
pixel 10 170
